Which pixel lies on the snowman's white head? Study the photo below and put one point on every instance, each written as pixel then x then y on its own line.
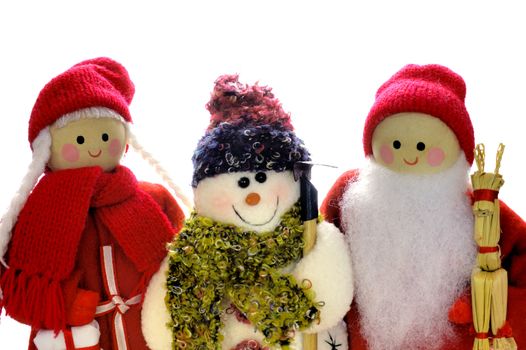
pixel 251 200
pixel 243 164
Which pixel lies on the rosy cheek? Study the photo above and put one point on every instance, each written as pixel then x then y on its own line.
pixel 221 205
pixel 115 147
pixel 386 154
pixel 70 153
pixel 282 191
pixel 435 156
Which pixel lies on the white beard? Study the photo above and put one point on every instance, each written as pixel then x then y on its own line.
pixel 412 252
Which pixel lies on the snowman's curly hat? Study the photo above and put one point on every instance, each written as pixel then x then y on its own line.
pixel 249 131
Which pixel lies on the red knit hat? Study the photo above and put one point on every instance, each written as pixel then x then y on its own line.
pixel 99 82
pixel 431 89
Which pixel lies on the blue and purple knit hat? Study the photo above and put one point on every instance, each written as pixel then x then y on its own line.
pixel 249 131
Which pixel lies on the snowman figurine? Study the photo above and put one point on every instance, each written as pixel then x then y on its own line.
pixel 236 276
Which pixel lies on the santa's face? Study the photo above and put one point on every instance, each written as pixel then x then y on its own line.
pixel 252 200
pixel 87 142
pixel 415 143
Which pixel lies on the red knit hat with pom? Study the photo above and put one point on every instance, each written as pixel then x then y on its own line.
pixel 98 82
pixel 431 89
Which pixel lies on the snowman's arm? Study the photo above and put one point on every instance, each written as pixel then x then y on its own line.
pixel 155 315
pixel 328 267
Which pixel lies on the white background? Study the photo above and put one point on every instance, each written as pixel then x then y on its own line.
pixel 324 60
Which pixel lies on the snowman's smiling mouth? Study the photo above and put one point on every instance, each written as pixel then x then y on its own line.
pixel 261 224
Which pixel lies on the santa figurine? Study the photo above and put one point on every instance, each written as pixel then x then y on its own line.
pixel 236 276
pixel 82 237
pixel 408 220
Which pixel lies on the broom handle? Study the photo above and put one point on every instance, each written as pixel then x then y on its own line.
pixel 310 341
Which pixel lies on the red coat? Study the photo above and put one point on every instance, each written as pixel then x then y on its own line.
pixel 513 249
pixel 84 286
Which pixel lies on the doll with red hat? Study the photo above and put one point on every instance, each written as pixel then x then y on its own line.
pixel 82 237
pixel 236 276
pixel 408 220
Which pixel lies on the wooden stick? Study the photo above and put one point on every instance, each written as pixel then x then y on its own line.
pixel 310 341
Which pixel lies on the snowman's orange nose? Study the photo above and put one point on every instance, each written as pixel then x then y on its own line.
pixel 252 198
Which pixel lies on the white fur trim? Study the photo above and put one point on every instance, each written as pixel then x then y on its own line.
pixel 83 336
pixel 41 152
pixel 155 315
pixel 328 267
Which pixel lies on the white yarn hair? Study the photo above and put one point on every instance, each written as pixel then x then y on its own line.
pixel 87 113
pixel 42 151
pixel 159 170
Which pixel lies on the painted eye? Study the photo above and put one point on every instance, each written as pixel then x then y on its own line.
pixel 261 177
pixel 80 139
pixel 397 144
pixel 420 146
pixel 244 182
pixel 105 137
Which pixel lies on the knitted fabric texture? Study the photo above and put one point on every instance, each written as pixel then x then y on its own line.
pixel 98 82
pixel 249 131
pixel 210 261
pixel 50 227
pixel 431 89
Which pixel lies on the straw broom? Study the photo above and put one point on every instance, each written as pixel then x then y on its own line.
pixel 489 282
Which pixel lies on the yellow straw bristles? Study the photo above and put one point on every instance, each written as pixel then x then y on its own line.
pixel 489 282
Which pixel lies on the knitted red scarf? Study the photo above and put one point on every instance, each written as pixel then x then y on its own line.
pixel 49 227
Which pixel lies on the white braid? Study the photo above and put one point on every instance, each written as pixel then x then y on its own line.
pixel 159 169
pixel 41 153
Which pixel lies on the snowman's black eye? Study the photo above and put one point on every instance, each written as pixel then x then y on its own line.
pixel 244 182
pixel 261 177
pixel 105 137
pixel 397 144
pixel 80 139
pixel 420 146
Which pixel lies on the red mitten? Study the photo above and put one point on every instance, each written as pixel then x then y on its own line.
pixel 82 310
pixel 460 312
pixel 80 303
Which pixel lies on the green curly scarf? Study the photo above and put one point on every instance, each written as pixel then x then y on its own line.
pixel 210 262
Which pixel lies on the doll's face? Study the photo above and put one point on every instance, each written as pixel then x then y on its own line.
pixel 252 200
pixel 415 143
pixel 87 142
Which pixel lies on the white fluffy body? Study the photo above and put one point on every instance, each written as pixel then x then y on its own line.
pixel 234 332
pixel 412 250
pixel 154 314
pixel 327 266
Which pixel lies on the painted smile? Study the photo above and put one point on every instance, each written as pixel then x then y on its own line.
pixel 411 163
pixel 95 155
pixel 264 223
